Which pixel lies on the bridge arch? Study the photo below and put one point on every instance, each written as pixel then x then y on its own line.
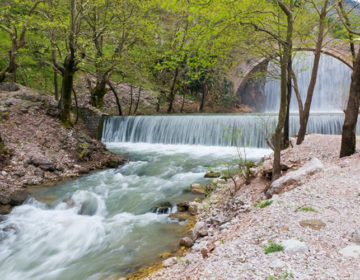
pixel 250 90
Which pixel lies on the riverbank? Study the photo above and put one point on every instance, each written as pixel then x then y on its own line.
pixel 40 149
pixel 308 232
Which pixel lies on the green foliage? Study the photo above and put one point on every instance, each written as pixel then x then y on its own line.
pixel 272 247
pixel 285 276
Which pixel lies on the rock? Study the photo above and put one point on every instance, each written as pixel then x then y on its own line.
pixel 197 189
pixel 4 173
pixel 9 87
pixel 163 207
pixel 294 178
pixel 169 262
pixel 204 252
pixel 164 255
pixel 351 251
pixel 18 197
pixel 295 246
pixel 187 242
pixel 182 206
pixel 313 224
pixel 181 216
pixel 356 236
pixel 5 209
pixel 193 208
pixel 212 174
pixel 43 163
pixel 200 230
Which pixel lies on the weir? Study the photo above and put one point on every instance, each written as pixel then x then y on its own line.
pixel 248 130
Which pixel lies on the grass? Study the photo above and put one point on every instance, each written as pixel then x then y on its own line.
pixel 263 204
pixel 308 209
pixel 272 248
pixel 284 276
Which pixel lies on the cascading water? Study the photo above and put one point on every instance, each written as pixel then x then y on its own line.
pixel 331 90
pixel 247 130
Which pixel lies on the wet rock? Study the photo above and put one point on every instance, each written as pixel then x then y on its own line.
pixel 163 207
pixel 197 189
pixel 5 209
pixel 186 242
pixel 169 262
pixel 295 246
pixel 181 216
pixel 294 178
pixel 351 251
pixel 70 203
pixel 164 255
pixel 43 163
pixel 18 197
pixel 89 207
pixel 182 206
pixel 212 174
pixel 200 230
pixel 313 224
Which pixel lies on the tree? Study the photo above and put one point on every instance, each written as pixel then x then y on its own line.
pixel 15 18
pixel 348 139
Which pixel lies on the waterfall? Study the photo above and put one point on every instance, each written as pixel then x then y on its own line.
pixel 250 130
pixel 331 90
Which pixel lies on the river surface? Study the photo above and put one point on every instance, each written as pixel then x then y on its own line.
pixel 101 226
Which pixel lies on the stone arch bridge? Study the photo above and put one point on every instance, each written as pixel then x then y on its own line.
pixel 250 90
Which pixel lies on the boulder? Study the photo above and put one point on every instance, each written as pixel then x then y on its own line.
pixel 193 208
pixel 5 209
pixel 169 262
pixel 295 246
pixel 351 251
pixel 18 197
pixel 186 242
pixel 197 189
pixel 182 206
pixel 294 178
pixel 200 230
pixel 313 224
pixel 43 163
pixel 212 174
pixel 9 87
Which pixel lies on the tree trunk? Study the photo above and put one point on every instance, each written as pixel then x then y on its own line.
pixel 172 91
pixel 66 90
pixel 285 73
pixel 183 102
pixel 348 140
pixel 285 143
pixel 203 96
pixel 137 101
pixel 311 88
pixel 56 86
pixel 98 93
pixel 116 97
pixel 131 100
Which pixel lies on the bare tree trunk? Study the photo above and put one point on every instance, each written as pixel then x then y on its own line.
pixel 285 73
pixel 298 97
pixel 311 88
pixel 203 96
pixel 348 140
pixel 76 106
pixel 116 97
pixel 56 86
pixel 285 143
pixel 183 102
pixel 131 100
pixel 172 91
pixel 137 101
pixel 66 90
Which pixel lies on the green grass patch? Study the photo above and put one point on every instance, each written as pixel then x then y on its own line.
pixel 264 204
pixel 308 209
pixel 272 248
